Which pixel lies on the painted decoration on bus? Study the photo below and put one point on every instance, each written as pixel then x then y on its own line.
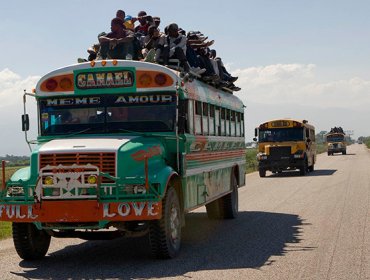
pixel 146 154
pixel 72 211
pixel 117 100
pixel 105 80
pixel 112 79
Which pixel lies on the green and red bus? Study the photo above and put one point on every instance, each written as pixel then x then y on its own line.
pixel 125 148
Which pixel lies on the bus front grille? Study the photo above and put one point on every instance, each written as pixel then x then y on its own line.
pixel 277 153
pixel 106 162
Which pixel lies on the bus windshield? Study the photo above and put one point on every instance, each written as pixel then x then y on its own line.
pixel 281 134
pixel 108 114
pixel 335 138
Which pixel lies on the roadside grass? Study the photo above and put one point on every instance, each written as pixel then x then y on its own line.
pixel 320 148
pixel 6 227
pixel 367 142
pixel 251 159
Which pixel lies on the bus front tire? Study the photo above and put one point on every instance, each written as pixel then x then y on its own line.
pixel 262 173
pixel 165 233
pixel 311 168
pixel 30 242
pixel 226 207
pixel 304 168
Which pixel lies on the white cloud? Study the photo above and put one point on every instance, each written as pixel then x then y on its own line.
pixel 299 84
pixel 11 108
pixel 296 91
pixel 12 86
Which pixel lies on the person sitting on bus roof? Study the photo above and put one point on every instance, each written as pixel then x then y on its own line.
pixel 197 55
pixel 175 47
pixel 151 42
pixel 121 14
pixel 118 43
pixel 143 23
pixel 157 21
pixel 226 79
pixel 129 23
pixel 226 76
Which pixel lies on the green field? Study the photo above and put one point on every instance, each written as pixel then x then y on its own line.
pixel 252 164
pixel 6 227
pixel 367 142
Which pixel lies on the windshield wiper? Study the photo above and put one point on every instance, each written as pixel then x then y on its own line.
pixel 78 132
pixel 131 131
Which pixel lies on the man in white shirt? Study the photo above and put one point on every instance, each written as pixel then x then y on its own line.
pixel 175 47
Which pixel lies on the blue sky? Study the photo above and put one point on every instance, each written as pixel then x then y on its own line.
pixel 304 59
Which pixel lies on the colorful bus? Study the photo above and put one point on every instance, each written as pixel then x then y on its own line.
pixel 125 148
pixel 285 144
pixel 336 142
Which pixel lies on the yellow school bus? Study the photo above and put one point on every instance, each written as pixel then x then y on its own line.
pixel 286 144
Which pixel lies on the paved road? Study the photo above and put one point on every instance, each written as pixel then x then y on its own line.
pixel 290 227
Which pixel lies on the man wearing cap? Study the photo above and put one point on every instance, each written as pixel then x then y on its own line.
pixel 144 25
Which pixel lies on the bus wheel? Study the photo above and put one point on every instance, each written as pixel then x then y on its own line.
pixel 30 243
pixel 165 234
pixel 231 201
pixel 226 207
pixel 344 152
pixel 304 168
pixel 262 173
pixel 312 167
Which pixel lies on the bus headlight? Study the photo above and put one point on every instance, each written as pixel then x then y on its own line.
pixel 92 179
pixel 261 156
pixel 139 189
pixel 299 156
pixel 15 191
pixel 48 181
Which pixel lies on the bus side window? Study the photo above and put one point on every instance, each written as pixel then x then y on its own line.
pixel 238 129
pixel 217 121
pixel 227 122
pixel 198 117
pixel 312 135
pixel 232 123
pixel 190 116
pixel 205 119
pixel 223 121
pixel 307 133
pixel 242 124
pixel 211 120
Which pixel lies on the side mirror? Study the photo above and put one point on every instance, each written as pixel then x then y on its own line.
pixel 255 132
pixel 255 139
pixel 25 122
